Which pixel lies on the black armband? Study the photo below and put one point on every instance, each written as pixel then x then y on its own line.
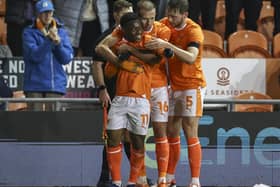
pixel 194 44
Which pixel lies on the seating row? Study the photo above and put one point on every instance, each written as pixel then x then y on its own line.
pixel 241 44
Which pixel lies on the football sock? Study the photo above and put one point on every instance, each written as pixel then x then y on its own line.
pixel 136 162
pixel 194 152
pixel 114 157
pixel 162 155
pixel 174 154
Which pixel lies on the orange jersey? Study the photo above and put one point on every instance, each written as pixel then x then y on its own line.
pixel 135 84
pixel 159 77
pixel 118 33
pixel 183 75
pixel 161 31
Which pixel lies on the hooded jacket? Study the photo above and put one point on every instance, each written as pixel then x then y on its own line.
pixel 44 60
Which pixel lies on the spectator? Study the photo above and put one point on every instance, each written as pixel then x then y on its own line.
pixel 207 10
pixel 5 51
pixel 85 21
pixel 252 9
pixel 46 48
pixel 276 5
pixel 18 15
pixel 69 11
pixel 160 8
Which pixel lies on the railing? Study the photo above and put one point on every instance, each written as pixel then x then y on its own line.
pixel 58 101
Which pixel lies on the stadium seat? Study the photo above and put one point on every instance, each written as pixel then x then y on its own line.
pixel 220 19
pixel 253 107
pixel 2 7
pixel 17 106
pixel 213 45
pixel 248 44
pixel 265 21
pixel 3 31
pixel 219 26
pixel 276 46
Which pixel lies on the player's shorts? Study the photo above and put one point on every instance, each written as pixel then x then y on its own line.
pixel 160 104
pixel 187 103
pixel 130 113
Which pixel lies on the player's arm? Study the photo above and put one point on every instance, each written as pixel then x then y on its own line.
pixel 104 49
pixel 98 76
pixel 147 56
pixel 186 55
pixel 97 73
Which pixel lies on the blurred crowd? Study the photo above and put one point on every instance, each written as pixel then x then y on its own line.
pixel 86 20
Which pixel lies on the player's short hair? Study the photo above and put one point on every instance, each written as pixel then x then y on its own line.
pixel 119 5
pixel 127 18
pixel 147 5
pixel 181 5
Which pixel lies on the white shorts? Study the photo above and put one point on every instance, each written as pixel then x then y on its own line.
pixel 187 103
pixel 130 113
pixel 160 104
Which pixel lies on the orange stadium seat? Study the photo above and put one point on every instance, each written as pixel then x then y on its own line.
pixel 248 44
pixel 253 107
pixel 3 31
pixel 213 45
pixel 220 19
pixel 219 26
pixel 266 20
pixel 2 7
pixel 276 46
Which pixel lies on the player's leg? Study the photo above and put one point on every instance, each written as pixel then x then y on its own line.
pixel 117 121
pixel 173 134
pixel 159 118
pixel 194 108
pixel 190 126
pixel 138 117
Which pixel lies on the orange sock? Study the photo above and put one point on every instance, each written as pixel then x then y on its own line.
pixel 114 158
pixel 162 154
pixel 143 170
pixel 194 151
pixel 136 163
pixel 174 154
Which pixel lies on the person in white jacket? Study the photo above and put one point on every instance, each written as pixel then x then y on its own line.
pixel 85 21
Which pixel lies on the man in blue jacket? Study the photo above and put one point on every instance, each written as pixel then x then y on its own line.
pixel 46 48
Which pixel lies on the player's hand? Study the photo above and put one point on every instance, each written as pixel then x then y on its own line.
pixel 156 43
pixel 104 98
pixel 124 48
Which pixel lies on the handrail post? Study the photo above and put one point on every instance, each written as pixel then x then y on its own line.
pixel 6 105
pixel 57 106
pixel 229 107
